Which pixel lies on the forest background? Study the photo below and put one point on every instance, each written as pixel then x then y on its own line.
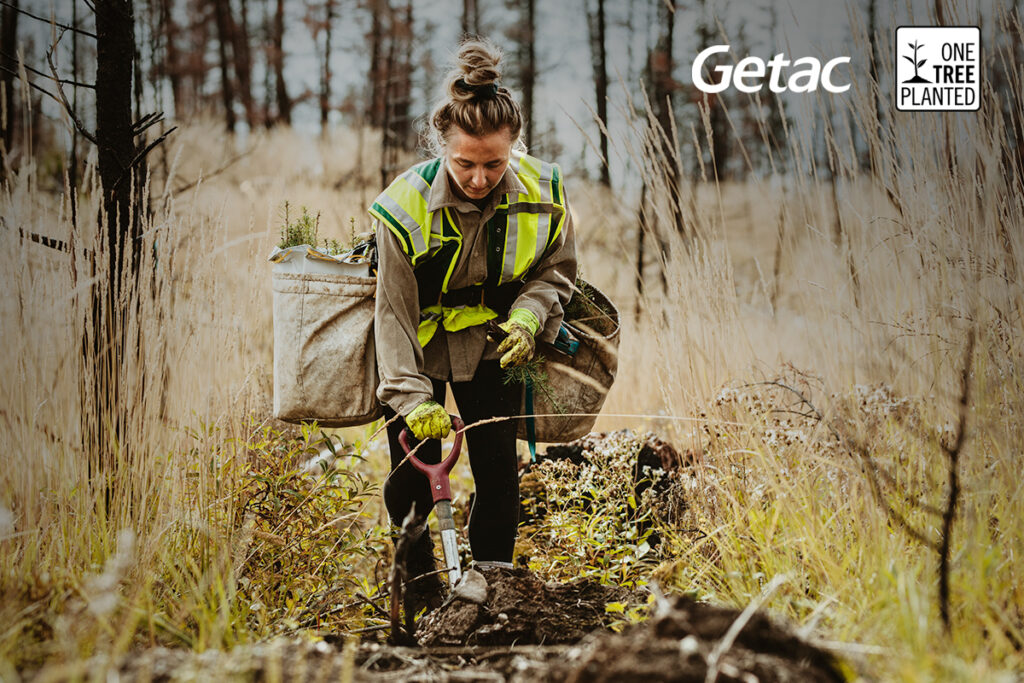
pixel 820 303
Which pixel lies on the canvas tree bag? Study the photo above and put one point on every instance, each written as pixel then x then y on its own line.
pixel 325 363
pixel 567 403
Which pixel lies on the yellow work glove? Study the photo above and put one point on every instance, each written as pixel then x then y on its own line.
pixel 429 420
pixel 518 346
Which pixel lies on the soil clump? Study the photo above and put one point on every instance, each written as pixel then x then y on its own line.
pixel 683 639
pixel 517 608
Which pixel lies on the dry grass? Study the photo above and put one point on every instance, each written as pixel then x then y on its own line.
pixel 765 294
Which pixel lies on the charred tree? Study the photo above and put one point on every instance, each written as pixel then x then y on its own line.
pixel 597 25
pixel 325 71
pixel 875 85
pixel 284 103
pixel 243 62
pixel 528 72
pixel 120 173
pixel 717 121
pixel 222 18
pixel 170 64
pixel 470 18
pixel 376 72
pixel 8 71
pixel 663 86
pixel 401 79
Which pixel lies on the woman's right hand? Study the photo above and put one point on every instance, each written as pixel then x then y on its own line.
pixel 429 420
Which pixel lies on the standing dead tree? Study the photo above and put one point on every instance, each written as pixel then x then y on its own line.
pixel 522 34
pixel 390 81
pixel 284 102
pixel 319 19
pixel 243 62
pixel 8 72
pixel 597 28
pixel 470 18
pixel 325 71
pixel 222 17
pixel 113 266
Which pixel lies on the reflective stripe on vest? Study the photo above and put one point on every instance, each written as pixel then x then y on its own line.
pixel 452 319
pixel 530 223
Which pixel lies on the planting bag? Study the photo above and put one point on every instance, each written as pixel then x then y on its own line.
pixel 325 364
pixel 576 383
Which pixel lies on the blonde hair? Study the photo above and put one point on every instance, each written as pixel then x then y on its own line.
pixel 473 99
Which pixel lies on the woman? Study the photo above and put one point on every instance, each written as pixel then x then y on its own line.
pixel 481 232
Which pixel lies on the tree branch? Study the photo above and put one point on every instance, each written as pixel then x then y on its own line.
pixel 66 27
pixel 45 75
pixel 142 155
pixel 143 124
pixel 953 494
pixel 63 98
pixel 32 85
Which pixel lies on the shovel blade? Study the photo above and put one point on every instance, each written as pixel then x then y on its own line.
pixel 451 556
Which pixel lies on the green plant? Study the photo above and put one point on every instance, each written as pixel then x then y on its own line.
pixel 308 532
pixel 301 231
pixel 533 371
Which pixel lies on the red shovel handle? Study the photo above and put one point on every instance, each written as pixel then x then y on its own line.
pixel 437 474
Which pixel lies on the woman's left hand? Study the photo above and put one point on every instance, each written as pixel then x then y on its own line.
pixel 518 347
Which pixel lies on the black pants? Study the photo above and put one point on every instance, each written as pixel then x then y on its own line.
pixel 492 458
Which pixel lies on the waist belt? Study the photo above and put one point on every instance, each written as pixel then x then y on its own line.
pixel 466 296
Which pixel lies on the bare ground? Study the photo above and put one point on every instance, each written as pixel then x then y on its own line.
pixel 523 630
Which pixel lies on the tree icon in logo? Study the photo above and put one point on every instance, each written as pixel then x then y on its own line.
pixel 915 46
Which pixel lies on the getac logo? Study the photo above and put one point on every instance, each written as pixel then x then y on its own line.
pixel 748 75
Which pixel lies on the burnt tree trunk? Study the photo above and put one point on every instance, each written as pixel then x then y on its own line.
pixel 117 263
pixel 221 10
pixel 8 68
pixel 284 103
pixel 663 87
pixel 528 78
pixel 377 75
pixel 268 73
pixel 171 62
pixel 873 68
pixel 325 72
pixel 716 114
pixel 243 63
pixel 597 24
pixel 470 18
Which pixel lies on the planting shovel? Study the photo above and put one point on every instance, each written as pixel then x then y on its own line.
pixel 441 491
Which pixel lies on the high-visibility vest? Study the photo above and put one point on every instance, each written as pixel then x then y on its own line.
pixel 525 224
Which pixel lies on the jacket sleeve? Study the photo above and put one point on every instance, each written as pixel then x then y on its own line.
pixel 550 284
pixel 396 318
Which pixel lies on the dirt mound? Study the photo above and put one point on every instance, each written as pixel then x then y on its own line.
pixel 682 640
pixel 513 606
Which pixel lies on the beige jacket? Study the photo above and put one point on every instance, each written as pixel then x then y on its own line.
pixel 403 365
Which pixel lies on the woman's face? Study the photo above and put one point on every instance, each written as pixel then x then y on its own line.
pixel 476 164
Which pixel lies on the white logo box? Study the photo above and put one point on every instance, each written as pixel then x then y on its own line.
pixel 938 68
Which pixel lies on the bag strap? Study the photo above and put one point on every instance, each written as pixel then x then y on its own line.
pixel 531 430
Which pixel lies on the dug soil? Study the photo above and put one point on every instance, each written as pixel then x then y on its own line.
pixel 509 625
pixel 521 629
pixel 515 607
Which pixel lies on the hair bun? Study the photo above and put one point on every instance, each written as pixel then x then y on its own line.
pixel 476 69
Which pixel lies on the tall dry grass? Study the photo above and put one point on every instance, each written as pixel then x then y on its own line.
pixel 764 291
pixel 860 298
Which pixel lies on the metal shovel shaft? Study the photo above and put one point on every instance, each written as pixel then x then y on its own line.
pixel 449 541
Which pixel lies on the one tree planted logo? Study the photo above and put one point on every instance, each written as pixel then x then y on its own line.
pixel 918 63
pixel 938 68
